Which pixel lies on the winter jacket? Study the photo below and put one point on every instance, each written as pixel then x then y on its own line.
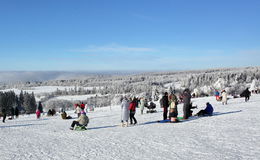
pixel 78 109
pixel 209 109
pixel 224 97
pixel 63 115
pixel 82 106
pixel 132 106
pixel 124 110
pixel 186 98
pixel 38 113
pixel 83 119
pixel 246 93
pixel 165 102
pixel 142 104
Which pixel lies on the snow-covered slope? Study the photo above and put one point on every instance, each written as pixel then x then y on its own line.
pixel 232 133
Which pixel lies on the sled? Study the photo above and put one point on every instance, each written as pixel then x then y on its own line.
pixel 80 128
pixel 167 121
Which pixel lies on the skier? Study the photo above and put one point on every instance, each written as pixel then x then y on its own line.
pixel 207 111
pixel 142 105
pixel 132 108
pixel 4 114
pixel 224 97
pixel 186 103
pixel 82 121
pixel 246 93
pixel 124 112
pixel 173 108
pixel 165 105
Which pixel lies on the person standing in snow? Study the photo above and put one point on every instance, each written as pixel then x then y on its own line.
pixel 132 108
pixel 224 97
pixel 186 103
pixel 82 121
pixel 217 94
pixel 4 114
pixel 38 113
pixel 16 112
pixel 246 93
pixel 208 111
pixel 165 105
pixel 173 108
pixel 142 102
pixel 124 112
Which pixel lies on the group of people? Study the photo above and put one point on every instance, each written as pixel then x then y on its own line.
pixel 223 95
pixel 171 101
pixel 128 108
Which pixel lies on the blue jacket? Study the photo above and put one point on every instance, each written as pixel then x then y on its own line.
pixel 209 109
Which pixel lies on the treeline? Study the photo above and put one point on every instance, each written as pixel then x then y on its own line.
pixel 24 101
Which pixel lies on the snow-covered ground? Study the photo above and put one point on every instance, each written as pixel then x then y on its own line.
pixel 232 133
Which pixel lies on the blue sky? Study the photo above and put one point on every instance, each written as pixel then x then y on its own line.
pixel 70 35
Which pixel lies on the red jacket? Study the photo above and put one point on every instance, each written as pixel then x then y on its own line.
pixel 82 106
pixel 132 106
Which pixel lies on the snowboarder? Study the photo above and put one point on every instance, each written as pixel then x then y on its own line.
pixel 82 121
pixel 142 102
pixel 4 114
pixel 165 105
pixel 246 93
pixel 132 108
pixel 124 112
pixel 173 108
pixel 224 97
pixel 208 111
pixel 186 103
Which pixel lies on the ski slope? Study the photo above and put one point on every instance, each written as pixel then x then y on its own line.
pixel 232 133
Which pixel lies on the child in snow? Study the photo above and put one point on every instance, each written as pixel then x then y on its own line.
pixel 208 111
pixel 38 113
pixel 142 103
pixel 224 97
pixel 64 115
pixel 82 121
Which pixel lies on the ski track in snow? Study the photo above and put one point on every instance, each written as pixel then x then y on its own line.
pixel 232 133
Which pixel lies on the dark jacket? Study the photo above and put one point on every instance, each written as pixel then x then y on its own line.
pixel 186 97
pixel 165 101
pixel 209 109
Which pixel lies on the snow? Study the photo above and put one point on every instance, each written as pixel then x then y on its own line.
pixel 232 133
pixel 76 97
